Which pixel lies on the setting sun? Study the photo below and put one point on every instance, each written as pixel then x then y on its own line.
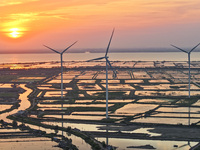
pixel 27 24
pixel 15 33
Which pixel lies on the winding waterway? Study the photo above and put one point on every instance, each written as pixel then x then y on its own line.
pixel 24 104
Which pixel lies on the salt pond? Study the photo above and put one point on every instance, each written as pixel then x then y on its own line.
pixel 135 108
pixel 24 104
pixel 174 121
pixel 28 144
pixel 155 101
pixel 122 144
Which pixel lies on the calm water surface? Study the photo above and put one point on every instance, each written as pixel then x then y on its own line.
pixel 46 57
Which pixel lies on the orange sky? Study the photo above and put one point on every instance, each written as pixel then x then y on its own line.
pixel 28 24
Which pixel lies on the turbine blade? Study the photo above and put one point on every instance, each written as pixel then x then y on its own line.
pixel 179 49
pixel 51 49
pixel 109 42
pixel 69 47
pixel 183 145
pixel 95 59
pixel 114 72
pixel 194 48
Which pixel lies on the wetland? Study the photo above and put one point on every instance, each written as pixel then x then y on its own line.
pixel 148 106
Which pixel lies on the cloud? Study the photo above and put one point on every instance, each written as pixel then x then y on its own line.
pixel 87 15
pixel 11 2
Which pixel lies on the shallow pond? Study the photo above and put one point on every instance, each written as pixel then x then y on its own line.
pixel 159 120
pixel 116 101
pixel 197 103
pixel 72 105
pixel 135 108
pixel 93 93
pixel 110 81
pixel 179 115
pixel 155 101
pixel 90 113
pixel 46 88
pixel 119 87
pixel 89 87
pixel 74 117
pixel 158 81
pixel 122 144
pixel 86 81
pixel 178 109
pixel 31 78
pixel 54 93
pixel 75 140
pixel 166 93
pixel 24 104
pixel 59 81
pixel 134 81
pixel 145 130
pixel 84 101
pixel 80 126
pixel 4 107
pixel 140 75
pixel 5 86
pixel 28 144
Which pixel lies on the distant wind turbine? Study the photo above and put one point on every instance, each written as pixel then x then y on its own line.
pixel 61 62
pixel 188 52
pixel 107 63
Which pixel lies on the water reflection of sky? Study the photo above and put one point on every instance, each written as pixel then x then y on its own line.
pixel 171 56
pixel 122 144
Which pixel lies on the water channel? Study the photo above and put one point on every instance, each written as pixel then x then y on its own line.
pixel 121 144
pixel 24 104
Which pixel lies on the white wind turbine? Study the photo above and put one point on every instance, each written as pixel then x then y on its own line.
pixel 107 63
pixel 61 62
pixel 188 52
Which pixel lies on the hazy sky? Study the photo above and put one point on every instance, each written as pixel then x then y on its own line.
pixel 28 24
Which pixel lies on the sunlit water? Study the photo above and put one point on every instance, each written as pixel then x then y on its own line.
pixel 80 143
pixel 46 57
pixel 24 104
pixel 122 144
pixel 27 143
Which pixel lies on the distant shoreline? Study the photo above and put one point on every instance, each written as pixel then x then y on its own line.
pixel 32 52
pixel 89 50
pixel 113 56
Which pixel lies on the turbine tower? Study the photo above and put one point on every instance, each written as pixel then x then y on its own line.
pixel 61 62
pixel 187 52
pixel 107 63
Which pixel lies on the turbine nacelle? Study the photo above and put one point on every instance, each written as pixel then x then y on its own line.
pixel 58 51
pixel 107 63
pixel 188 52
pixel 61 62
pixel 106 56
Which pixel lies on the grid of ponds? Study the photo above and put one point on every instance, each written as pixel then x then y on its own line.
pixel 150 96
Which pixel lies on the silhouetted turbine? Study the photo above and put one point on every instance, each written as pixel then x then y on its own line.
pixel 61 62
pixel 188 52
pixel 107 63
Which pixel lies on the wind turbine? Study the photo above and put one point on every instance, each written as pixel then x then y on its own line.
pixel 188 52
pixel 107 63
pixel 61 62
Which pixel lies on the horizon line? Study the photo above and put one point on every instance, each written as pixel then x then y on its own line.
pixel 97 50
